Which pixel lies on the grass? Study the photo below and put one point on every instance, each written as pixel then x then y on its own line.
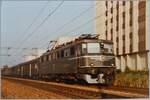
pixel 132 79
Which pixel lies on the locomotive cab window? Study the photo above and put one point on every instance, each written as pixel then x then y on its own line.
pixel 107 48
pixel 93 47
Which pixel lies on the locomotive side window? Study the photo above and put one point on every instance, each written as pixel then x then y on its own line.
pixel 62 53
pixel 84 48
pixel 72 51
pixel 93 47
pixel 67 52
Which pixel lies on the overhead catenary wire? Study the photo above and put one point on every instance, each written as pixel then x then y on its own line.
pixel 29 27
pixel 45 19
pixel 69 22
pixel 83 25
pixel 34 20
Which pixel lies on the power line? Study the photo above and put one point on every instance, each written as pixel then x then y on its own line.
pixel 30 25
pixel 69 22
pixel 35 19
pixel 10 48
pixel 23 41
pixel 84 24
pixel 46 18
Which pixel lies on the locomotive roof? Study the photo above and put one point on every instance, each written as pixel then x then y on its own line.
pixel 78 40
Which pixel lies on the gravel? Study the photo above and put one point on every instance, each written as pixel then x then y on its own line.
pixel 13 90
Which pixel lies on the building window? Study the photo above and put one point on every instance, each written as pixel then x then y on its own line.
pixel 117 51
pixel 131 11
pixel 123 25
pixel 111 20
pixel 106 13
pixel 123 14
pixel 123 49
pixel 130 21
pixel 124 2
pixel 106 4
pixel 130 35
pixel 131 48
pixel 123 37
pixel 117 39
pixel 117 5
pixel 117 18
pixel 117 27
pixel 106 22
pixel 111 10
pixel 111 31
pixel 106 34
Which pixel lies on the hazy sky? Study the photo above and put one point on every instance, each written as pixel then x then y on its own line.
pixel 16 16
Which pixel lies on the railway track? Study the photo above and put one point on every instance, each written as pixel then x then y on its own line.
pixel 79 91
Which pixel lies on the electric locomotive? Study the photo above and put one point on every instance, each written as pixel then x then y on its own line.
pixel 87 58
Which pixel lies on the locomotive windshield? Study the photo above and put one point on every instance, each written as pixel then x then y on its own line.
pixel 93 48
pixel 96 48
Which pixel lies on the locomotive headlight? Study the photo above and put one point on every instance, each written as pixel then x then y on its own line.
pixel 91 64
pixel 112 65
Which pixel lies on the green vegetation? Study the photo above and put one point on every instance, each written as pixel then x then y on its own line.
pixel 132 79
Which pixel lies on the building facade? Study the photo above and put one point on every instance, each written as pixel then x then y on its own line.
pixel 126 23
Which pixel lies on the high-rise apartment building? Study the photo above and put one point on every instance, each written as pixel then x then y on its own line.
pixel 126 23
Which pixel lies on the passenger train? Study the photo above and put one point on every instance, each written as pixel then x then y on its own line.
pixel 86 58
